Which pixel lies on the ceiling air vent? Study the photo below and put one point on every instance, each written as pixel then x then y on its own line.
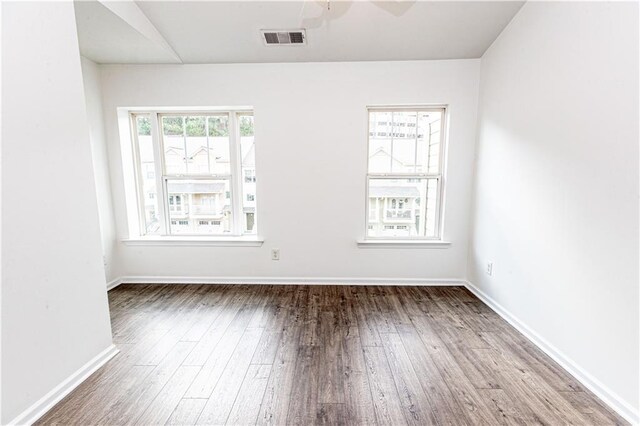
pixel 274 37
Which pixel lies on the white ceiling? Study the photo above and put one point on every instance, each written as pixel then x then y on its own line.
pixel 228 31
pixel 106 38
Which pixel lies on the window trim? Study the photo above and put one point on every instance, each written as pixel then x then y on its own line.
pixel 437 239
pixel 191 241
pixel 161 177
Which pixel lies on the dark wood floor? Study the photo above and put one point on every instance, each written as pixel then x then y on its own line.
pixel 208 354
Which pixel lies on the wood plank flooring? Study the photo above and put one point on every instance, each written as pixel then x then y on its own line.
pixel 240 355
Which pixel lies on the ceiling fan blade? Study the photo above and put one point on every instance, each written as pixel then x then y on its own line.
pixel 330 11
pixel 396 7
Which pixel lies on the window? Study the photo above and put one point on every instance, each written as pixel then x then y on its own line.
pixel 249 176
pixel 404 179
pixel 195 172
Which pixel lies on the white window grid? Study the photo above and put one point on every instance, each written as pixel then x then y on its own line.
pixel 234 177
pixel 439 176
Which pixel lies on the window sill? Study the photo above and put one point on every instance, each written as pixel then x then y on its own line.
pixel 244 241
pixel 433 244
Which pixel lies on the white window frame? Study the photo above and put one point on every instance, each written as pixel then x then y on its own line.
pixel 376 218
pixel 440 176
pixel 235 177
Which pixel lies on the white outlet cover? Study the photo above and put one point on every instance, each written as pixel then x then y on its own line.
pixel 489 270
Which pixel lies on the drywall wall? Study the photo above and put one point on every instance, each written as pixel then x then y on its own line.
pixel 93 101
pixel 54 307
pixel 311 158
pixel 556 189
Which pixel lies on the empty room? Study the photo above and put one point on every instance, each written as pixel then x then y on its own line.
pixel 320 212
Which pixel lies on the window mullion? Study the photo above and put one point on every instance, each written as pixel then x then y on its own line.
pixel 159 171
pixel 392 137
pixel 438 230
pixel 138 176
pixel 236 167
pixel 415 157
pixel 440 186
pixel 206 124
pixel 184 139
pixel 366 204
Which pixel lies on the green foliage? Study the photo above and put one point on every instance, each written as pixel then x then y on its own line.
pixel 246 125
pixel 218 126
pixel 172 126
pixel 144 126
pixel 196 126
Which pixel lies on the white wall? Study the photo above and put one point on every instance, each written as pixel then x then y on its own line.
pixel 99 154
pixel 556 201
pixel 54 305
pixel 311 155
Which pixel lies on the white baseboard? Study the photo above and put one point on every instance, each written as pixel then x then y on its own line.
pixel 289 280
pixel 594 385
pixel 114 283
pixel 44 404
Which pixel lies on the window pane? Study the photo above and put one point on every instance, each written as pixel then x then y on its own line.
pixel 196 126
pixel 430 214
pixel 398 207
pixel 199 206
pixel 147 174
pixel 197 148
pixel 219 158
pixel 174 145
pixel 246 125
pixel 380 131
pixel 404 145
pixel 429 125
pixel 374 211
pixel 248 178
pixel 404 154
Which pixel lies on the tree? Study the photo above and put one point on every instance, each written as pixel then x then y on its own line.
pixel 218 126
pixel 172 126
pixel 144 126
pixel 246 125
pixel 196 126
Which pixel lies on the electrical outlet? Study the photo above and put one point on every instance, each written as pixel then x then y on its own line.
pixel 489 269
pixel 275 254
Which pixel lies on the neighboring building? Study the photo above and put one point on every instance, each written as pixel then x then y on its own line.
pixel 198 206
pixel 394 210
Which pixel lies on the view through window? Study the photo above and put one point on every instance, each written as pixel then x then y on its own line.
pixel 195 172
pixel 404 180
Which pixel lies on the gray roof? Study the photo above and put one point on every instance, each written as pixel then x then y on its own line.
pixel 393 191
pixel 191 187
